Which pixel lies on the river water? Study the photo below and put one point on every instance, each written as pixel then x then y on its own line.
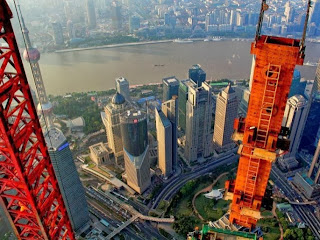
pixel 97 69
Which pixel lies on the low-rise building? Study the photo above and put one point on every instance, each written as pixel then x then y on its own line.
pixel 308 188
pixel 99 153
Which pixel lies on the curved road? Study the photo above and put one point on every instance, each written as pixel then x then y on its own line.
pixel 306 213
pixel 177 182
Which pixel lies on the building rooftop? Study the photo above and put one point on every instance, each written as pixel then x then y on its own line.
pixel 229 89
pixel 54 138
pixel 118 99
pixel 171 80
pixel 165 121
pixel 121 80
pixel 98 148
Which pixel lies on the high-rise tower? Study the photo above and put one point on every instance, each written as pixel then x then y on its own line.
pixel 164 138
pixel 32 55
pixel 294 118
pixel 170 110
pixel 68 179
pixel 91 14
pixel 197 74
pixel 123 87
pixel 198 122
pixel 111 120
pixel 170 86
pixel 226 112
pixel 134 132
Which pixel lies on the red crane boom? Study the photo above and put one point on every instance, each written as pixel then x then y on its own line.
pixel 29 191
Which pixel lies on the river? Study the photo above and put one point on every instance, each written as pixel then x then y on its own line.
pixel 97 69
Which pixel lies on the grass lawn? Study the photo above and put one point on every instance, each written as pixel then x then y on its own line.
pixel 266 213
pixel 183 209
pixel 220 183
pixel 210 211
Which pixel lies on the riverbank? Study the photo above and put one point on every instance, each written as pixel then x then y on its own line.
pixel 136 44
pixel 112 46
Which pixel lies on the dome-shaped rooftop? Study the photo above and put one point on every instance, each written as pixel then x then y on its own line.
pixel 118 99
pixel 31 55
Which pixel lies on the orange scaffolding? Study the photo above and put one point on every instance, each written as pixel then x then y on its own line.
pixel 261 132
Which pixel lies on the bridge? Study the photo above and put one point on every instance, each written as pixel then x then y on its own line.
pixel 303 203
pixel 135 214
pixel 123 226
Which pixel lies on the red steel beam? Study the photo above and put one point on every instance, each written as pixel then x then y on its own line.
pixel 29 191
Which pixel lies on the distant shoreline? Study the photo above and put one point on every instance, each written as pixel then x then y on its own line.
pixel 112 46
pixel 126 44
pixel 158 42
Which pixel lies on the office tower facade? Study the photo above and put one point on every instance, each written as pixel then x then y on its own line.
pixel 136 150
pixel 226 112
pixel 134 23
pixel 170 110
pixel 91 14
pixel 297 87
pixel 183 98
pixel 122 87
pixel 289 12
pixel 111 120
pixel 68 179
pixel 312 125
pixel 170 87
pixel 71 29
pixel 197 74
pixel 116 16
pixel 164 138
pixel 57 33
pixel 294 118
pixel 198 122
pixel 315 13
pixel 316 87
pixel 314 171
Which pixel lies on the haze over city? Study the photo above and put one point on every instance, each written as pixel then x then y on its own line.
pixel 160 119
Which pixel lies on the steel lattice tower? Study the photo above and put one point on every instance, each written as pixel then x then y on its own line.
pixel 29 191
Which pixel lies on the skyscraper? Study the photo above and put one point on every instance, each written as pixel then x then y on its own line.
pixel 289 12
pixel 170 110
pixel 183 98
pixel 316 87
pixel 164 138
pixel 57 33
pixel 91 14
pixel 312 125
pixel 122 87
pixel 68 179
pixel 116 16
pixel 226 112
pixel 314 171
pixel 136 150
pixel 170 88
pixel 134 23
pixel 111 120
pixel 294 118
pixel 297 87
pixel 197 74
pixel 315 13
pixel 198 122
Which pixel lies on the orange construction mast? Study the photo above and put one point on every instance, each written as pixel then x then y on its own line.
pixel 260 132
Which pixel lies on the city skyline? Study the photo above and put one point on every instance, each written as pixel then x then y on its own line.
pixel 182 151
